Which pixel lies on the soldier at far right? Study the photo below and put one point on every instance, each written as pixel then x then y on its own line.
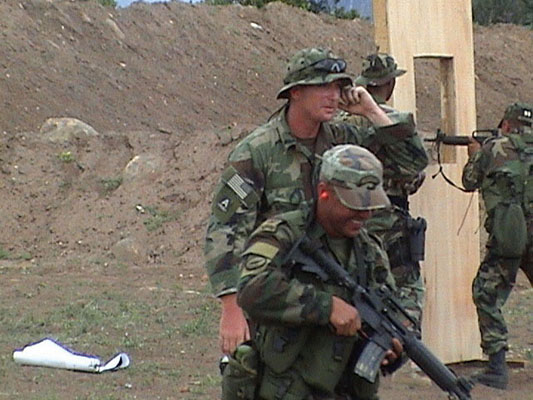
pixel 502 168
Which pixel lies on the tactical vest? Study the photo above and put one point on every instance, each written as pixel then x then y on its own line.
pixel 508 194
pixel 524 144
pixel 300 361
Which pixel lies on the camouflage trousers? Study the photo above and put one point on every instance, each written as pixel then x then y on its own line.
pixel 391 226
pixel 491 288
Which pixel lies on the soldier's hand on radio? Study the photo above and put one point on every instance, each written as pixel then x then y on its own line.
pixel 357 100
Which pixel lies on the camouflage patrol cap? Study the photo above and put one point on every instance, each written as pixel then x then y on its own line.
pixel 378 69
pixel 356 175
pixel 521 112
pixel 313 66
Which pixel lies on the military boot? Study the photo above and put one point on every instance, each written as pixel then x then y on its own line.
pixel 496 374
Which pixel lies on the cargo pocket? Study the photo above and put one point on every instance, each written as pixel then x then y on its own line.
pixel 509 230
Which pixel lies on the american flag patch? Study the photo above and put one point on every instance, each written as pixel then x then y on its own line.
pixel 239 186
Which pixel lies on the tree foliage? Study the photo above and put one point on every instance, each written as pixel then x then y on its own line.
pixel 488 12
pixel 316 6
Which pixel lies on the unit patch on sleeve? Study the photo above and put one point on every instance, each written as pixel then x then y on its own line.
pixel 232 192
pixel 224 204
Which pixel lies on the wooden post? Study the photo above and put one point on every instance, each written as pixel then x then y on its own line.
pixel 441 30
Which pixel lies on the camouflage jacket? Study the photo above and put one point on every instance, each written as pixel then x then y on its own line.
pixel 400 179
pixel 500 169
pixel 273 291
pixel 270 172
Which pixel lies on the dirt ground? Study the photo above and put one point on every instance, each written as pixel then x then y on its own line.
pixel 102 230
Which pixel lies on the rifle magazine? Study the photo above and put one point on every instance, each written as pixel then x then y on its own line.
pixel 368 364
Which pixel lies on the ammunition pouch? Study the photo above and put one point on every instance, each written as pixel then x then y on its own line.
pixel 406 243
pixel 240 376
pixel 352 383
pixel 509 230
pixel 417 238
pixel 279 346
pixel 286 386
pixel 298 363
pixel 325 359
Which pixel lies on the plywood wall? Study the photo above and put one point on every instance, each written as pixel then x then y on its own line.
pixel 441 30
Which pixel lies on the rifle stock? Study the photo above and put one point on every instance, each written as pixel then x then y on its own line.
pixel 376 308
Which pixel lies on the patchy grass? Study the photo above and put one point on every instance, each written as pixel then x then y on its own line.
pixel 159 217
pixel 4 254
pixel 7 255
pixel 111 184
pixel 166 323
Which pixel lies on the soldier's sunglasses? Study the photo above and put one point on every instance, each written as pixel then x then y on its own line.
pixel 333 65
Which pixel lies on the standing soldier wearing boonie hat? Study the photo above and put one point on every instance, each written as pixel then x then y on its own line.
pixel 379 76
pixel 271 170
pixel 501 169
pixel 400 233
pixel 306 326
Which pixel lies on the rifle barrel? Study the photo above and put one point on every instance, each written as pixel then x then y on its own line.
pixel 450 140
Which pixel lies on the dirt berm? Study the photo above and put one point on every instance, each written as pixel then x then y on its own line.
pixel 164 90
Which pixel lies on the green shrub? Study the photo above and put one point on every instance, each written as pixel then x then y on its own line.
pixel 341 13
pixel 66 157
pixel 111 184
pixel 108 3
pixel 308 5
pixel 488 12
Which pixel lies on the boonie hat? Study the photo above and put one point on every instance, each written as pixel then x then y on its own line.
pixel 521 112
pixel 356 175
pixel 378 69
pixel 313 66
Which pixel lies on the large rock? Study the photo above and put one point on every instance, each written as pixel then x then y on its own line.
pixel 59 130
pixel 143 166
pixel 128 250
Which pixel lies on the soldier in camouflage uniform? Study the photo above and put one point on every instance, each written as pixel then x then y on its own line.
pixel 306 327
pixel 401 234
pixel 502 169
pixel 271 170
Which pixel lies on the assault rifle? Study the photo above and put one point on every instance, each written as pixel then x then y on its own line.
pixel 442 138
pixel 480 135
pixel 380 326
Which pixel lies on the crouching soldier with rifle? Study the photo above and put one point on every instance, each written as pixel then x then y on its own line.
pixel 321 333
